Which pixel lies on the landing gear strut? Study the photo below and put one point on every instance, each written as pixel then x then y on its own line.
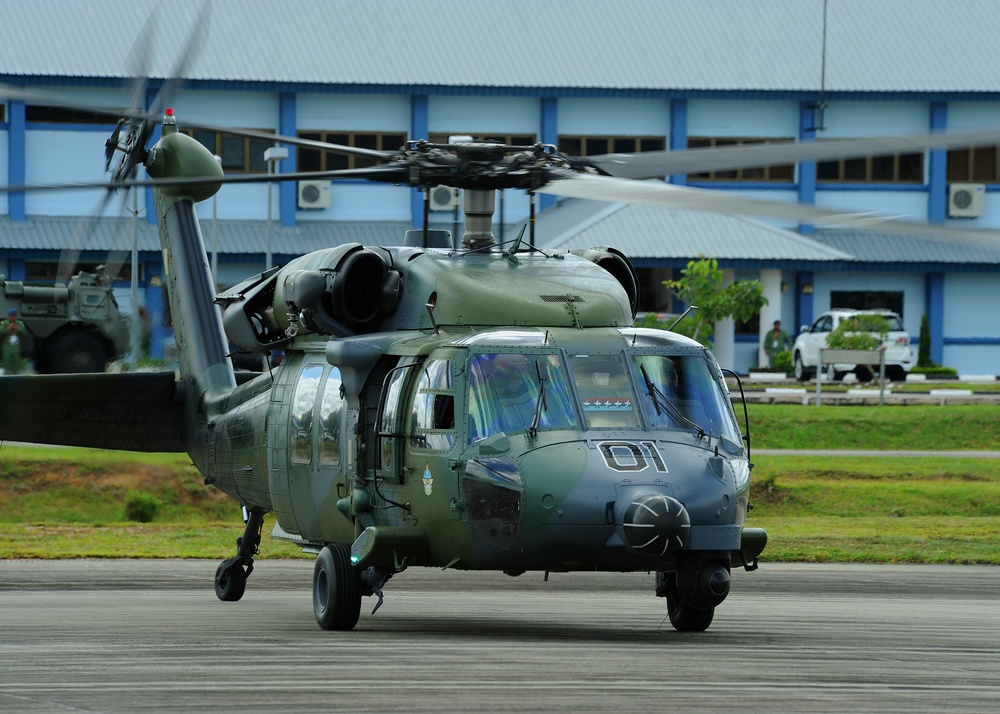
pixel 231 575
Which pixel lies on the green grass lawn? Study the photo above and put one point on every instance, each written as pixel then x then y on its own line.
pixel 69 503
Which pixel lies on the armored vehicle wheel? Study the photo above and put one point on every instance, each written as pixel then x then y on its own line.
pixel 336 589
pixel 685 618
pixel 230 582
pixel 76 351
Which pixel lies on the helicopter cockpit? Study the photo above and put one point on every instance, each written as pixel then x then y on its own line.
pixel 644 386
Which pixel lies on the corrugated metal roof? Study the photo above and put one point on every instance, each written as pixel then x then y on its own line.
pixel 872 247
pixel 232 237
pixel 641 232
pixel 766 45
pixel 649 232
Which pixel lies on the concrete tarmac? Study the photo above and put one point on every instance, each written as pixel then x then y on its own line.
pixel 136 636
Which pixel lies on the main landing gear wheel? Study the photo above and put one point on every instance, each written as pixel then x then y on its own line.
pixel 685 618
pixel 336 589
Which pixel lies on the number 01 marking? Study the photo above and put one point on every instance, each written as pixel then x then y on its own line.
pixel 631 456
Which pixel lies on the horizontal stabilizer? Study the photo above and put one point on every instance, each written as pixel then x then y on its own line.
pixel 134 411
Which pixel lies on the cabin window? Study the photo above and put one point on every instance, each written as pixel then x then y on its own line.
pixel 331 410
pixel 432 417
pixel 679 392
pixel 504 394
pixel 303 408
pixel 605 392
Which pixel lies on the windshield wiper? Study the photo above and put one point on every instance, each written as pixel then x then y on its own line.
pixel 540 403
pixel 656 395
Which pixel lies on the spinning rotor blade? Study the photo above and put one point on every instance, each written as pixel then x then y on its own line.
pixel 390 173
pixel 297 141
pixel 654 164
pixel 658 193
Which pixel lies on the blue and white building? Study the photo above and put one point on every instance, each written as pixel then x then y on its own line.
pixel 590 77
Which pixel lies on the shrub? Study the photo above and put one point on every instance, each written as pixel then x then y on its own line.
pixel 783 361
pixel 924 346
pixel 865 331
pixel 141 507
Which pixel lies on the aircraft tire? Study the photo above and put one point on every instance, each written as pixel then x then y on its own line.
pixel 686 618
pixel 336 589
pixel 230 582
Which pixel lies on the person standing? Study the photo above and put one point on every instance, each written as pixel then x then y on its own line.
pixel 777 341
pixel 12 334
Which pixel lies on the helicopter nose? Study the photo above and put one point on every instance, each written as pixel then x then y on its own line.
pixel 656 524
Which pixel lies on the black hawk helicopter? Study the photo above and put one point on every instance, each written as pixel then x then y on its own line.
pixel 474 406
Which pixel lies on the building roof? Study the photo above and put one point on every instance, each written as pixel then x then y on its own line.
pixel 231 237
pixel 889 249
pixel 646 232
pixel 518 45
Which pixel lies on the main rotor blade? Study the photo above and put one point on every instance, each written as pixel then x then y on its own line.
pixel 658 193
pixel 297 141
pixel 655 164
pixel 390 173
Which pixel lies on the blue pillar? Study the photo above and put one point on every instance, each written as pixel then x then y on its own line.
pixel 16 269
pixel 548 133
pixel 937 180
pixel 16 158
pixel 419 129
pixel 934 306
pixel 807 169
pixel 287 194
pixel 804 300
pixel 156 306
pixel 678 134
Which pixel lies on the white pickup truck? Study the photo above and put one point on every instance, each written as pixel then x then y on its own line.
pixel 899 357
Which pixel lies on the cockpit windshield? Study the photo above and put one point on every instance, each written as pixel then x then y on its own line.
pixel 506 393
pixel 679 392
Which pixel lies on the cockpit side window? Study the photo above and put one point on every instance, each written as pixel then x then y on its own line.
pixel 504 391
pixel 432 416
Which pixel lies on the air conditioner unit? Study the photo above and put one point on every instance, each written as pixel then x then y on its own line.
pixel 966 200
pixel 314 194
pixel 444 198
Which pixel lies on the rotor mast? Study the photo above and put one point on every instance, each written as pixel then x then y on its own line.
pixel 480 205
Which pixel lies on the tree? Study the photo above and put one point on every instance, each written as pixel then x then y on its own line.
pixel 924 348
pixel 702 286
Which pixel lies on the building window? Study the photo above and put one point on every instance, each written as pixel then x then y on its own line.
pixel 978 164
pixel 893 168
pixel 47 272
pixel 781 172
pixel 598 145
pixel 239 154
pixel 63 115
pixel 320 160
pixel 868 300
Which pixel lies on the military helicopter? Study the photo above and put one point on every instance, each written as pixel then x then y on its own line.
pixel 471 406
